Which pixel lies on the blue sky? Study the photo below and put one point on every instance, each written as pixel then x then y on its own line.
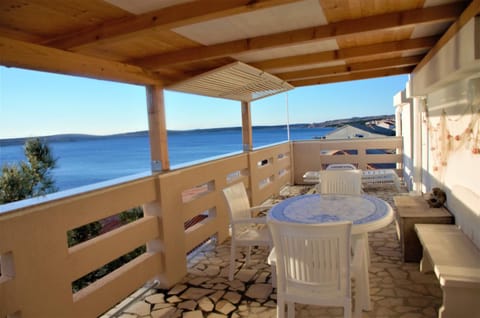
pixel 38 104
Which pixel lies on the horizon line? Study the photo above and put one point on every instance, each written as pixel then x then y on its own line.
pixel 79 134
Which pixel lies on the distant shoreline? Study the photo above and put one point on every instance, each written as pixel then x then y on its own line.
pixel 76 137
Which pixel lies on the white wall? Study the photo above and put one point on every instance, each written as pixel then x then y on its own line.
pixel 404 122
pixel 450 128
pixel 453 124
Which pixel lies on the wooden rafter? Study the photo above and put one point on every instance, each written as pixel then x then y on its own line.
pixel 365 50
pixel 334 30
pixel 352 76
pixel 351 67
pixel 41 58
pixel 164 19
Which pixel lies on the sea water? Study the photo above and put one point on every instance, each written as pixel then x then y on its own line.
pixel 85 161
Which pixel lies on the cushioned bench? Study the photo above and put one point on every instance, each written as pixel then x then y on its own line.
pixel 456 262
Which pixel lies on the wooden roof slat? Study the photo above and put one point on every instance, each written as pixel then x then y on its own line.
pixel 350 67
pixel 334 30
pixel 163 19
pixel 380 48
pixel 353 76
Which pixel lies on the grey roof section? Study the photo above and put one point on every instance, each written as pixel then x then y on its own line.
pixel 374 129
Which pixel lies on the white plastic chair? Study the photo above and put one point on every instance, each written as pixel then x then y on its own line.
pixel 246 230
pixel 340 182
pixel 314 266
pixel 344 182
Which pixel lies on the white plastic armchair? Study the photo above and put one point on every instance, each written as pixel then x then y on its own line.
pixel 314 266
pixel 340 182
pixel 247 230
pixel 344 182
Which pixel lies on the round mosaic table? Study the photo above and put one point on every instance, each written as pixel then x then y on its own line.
pixel 367 213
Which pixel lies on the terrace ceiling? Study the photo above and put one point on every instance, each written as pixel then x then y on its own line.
pixel 164 42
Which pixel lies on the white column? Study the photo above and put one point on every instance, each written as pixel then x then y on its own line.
pixel 418 105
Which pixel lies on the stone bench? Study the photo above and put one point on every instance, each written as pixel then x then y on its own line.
pixel 413 210
pixel 456 262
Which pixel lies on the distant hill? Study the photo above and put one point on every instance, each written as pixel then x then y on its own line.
pixel 352 120
pixel 67 137
pixel 77 137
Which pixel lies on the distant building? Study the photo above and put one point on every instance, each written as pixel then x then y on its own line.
pixel 352 131
pixel 385 123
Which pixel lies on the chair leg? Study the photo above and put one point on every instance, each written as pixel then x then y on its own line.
pixel 232 262
pixel 274 275
pixel 362 300
pixel 347 309
pixel 363 237
pixel 291 309
pixel 367 248
pixel 248 255
pixel 357 313
pixel 280 307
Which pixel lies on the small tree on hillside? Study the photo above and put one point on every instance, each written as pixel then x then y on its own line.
pixel 29 179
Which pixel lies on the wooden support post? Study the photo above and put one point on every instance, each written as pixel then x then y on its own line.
pixel 171 242
pixel 247 142
pixel 247 139
pixel 157 128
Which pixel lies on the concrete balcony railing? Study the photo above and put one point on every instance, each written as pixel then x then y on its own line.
pixel 38 267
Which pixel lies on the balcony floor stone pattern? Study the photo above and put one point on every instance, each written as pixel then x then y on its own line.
pixel 398 289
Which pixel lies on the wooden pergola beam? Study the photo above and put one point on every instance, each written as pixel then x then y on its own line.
pixel 381 22
pixel 352 76
pixel 350 67
pixel 163 19
pixel 41 58
pixel 328 56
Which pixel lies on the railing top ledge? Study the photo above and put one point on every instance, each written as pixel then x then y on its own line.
pixel 351 140
pixel 18 206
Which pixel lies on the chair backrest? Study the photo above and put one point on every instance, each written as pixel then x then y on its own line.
pixel 313 258
pixel 341 166
pixel 340 182
pixel 237 201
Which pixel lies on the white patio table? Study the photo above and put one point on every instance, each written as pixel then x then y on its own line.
pixel 367 213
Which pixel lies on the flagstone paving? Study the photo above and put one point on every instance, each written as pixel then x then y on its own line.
pixel 398 289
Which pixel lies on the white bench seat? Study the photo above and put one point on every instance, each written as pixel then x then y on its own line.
pixel 455 260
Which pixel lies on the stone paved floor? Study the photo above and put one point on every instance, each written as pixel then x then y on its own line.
pixel 398 289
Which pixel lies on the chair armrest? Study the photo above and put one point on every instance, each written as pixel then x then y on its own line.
pixel 260 220
pixel 260 208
